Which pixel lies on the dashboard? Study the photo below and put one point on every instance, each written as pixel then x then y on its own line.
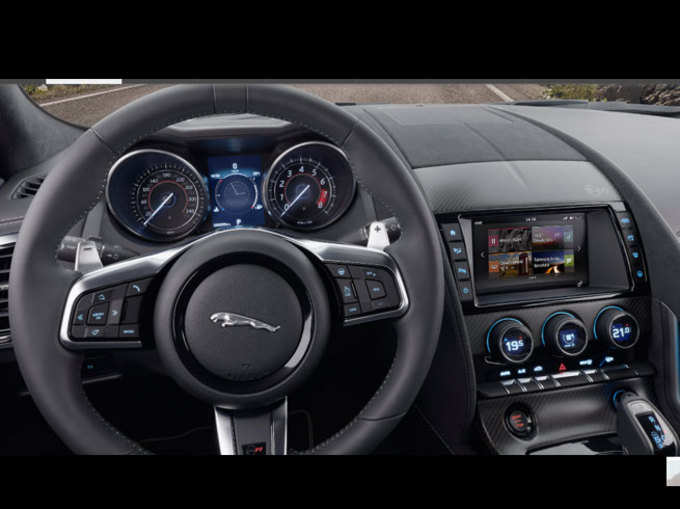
pixel 162 196
pixel 550 259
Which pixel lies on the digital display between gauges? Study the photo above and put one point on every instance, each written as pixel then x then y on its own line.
pixel 235 188
pixel 309 186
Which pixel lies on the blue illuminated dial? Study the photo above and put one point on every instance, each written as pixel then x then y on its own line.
pixel 509 340
pixel 515 343
pixel 617 327
pixel 623 331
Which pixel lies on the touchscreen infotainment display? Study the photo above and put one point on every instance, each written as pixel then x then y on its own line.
pixel 522 252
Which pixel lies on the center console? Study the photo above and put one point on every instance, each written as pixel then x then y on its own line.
pixel 557 311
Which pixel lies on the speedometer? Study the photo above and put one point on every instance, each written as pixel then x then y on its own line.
pixel 309 186
pixel 156 194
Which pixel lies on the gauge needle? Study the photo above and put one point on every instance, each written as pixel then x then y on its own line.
pixel 153 214
pixel 296 199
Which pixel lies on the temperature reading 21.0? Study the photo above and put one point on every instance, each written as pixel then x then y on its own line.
pixel 621 332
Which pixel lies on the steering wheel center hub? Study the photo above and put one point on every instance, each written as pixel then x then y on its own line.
pixel 241 318
pixel 243 322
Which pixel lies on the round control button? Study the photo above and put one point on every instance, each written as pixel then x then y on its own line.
pixel 617 327
pixel 565 334
pixel 520 422
pixel 510 340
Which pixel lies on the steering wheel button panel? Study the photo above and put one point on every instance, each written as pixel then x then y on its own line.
pixel 102 296
pixel 339 270
pixel 115 311
pixel 128 331
pixel 352 310
pixel 98 314
pixel 376 290
pixel 138 287
pixel 132 310
pixel 347 292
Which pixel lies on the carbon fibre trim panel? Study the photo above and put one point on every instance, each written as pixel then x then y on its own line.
pixel 559 416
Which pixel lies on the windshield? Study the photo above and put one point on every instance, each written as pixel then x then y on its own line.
pixel 86 104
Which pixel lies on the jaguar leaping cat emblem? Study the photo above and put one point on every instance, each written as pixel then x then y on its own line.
pixel 233 320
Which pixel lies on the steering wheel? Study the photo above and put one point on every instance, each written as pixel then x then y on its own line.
pixel 240 318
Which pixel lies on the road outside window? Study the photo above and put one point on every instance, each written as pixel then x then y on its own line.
pixel 86 104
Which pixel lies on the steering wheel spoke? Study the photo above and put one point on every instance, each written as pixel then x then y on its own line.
pixel 253 432
pixel 367 281
pixel 106 308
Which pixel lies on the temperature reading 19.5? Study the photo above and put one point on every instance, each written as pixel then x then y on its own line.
pixel 514 345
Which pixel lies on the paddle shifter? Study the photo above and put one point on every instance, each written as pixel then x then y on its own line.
pixel 641 427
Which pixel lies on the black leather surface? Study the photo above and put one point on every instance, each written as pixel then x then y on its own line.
pixel 75 185
pixel 39 287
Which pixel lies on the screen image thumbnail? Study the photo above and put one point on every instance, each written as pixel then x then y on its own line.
pixel 510 265
pixel 508 240
pixel 553 262
pixel 552 237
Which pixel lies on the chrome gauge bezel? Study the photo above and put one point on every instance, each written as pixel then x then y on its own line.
pixel 342 205
pixel 135 228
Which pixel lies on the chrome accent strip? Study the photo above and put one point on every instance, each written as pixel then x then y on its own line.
pixel 10 238
pixel 6 334
pixel 377 235
pixel 225 432
pixel 87 257
pixel 278 430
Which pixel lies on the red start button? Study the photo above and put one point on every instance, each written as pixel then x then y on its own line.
pixel 520 422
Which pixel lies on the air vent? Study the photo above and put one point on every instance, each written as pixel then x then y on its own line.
pixel 6 251
pixel 28 187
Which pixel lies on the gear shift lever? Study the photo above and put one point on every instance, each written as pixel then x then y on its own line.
pixel 641 427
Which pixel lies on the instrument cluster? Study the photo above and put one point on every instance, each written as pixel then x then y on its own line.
pixel 161 196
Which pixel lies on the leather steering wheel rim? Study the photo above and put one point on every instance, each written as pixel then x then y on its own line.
pixel 39 283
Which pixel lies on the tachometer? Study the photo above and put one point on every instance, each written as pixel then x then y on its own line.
pixel 166 197
pixel 309 186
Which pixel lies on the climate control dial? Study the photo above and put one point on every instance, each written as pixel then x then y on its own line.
pixel 617 327
pixel 565 334
pixel 509 340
